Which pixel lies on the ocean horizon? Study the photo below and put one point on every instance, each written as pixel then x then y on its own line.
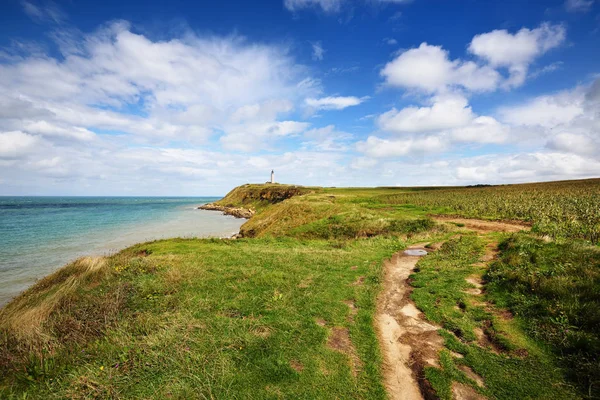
pixel 40 234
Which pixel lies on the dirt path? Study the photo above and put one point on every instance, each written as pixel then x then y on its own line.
pixel 483 226
pixel 408 342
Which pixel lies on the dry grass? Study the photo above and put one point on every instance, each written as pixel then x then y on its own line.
pixel 25 316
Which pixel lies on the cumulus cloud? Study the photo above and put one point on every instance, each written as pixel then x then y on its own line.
pixel 517 51
pixel 430 69
pixel 574 143
pixel 546 111
pixel 483 129
pixel 449 121
pixel 446 112
pixel 90 117
pixel 384 148
pixel 334 103
pixel 16 144
pixel 115 66
pixel 185 88
pixel 254 135
pixel 568 121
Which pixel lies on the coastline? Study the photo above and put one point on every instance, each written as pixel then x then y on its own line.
pixel 312 266
pixel 237 212
pixel 24 266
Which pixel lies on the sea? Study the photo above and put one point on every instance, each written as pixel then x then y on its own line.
pixel 38 235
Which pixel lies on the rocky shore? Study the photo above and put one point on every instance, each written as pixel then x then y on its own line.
pixel 237 212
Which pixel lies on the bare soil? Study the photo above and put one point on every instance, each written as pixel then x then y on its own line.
pixel 339 340
pixel 464 392
pixel 483 226
pixel 408 341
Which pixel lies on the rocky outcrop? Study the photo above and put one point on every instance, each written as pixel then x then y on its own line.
pixel 237 212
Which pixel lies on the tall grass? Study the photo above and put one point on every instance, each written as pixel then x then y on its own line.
pixel 555 289
pixel 569 209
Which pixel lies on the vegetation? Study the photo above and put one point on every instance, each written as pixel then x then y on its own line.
pixel 202 319
pixel 568 209
pixel 261 196
pixel 555 289
pixel 287 311
pixel 483 339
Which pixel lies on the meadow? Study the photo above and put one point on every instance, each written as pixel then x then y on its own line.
pixel 288 310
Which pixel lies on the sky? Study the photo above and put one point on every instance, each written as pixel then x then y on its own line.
pixel 192 98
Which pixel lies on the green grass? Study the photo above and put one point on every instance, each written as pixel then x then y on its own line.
pixel 555 288
pixel 512 365
pixel 213 319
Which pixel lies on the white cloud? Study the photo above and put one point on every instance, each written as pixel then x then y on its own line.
pixel 329 6
pixel 446 112
pixel 483 129
pixel 317 51
pixel 327 138
pixel 525 167
pixel 555 66
pixel 49 12
pixel 118 66
pixel 546 111
pixel 517 51
pixel 448 122
pixel 334 103
pixel 363 163
pixel 578 5
pixel 383 148
pixel 48 129
pixel 574 143
pixel 120 110
pixel 567 121
pixel 430 69
pixel 185 88
pixel 16 144
pixel 390 41
pixel 251 136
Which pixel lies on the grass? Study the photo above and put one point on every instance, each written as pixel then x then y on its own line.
pixel 210 319
pixel 287 312
pixel 512 365
pixel 555 288
pixel 564 209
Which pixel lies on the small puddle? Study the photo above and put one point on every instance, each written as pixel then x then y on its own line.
pixel 415 252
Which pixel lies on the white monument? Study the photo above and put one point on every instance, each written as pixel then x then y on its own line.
pixel 272 176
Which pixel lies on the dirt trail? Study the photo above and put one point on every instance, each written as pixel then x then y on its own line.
pixel 483 226
pixel 409 343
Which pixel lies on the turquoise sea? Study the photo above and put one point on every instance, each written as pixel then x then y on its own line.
pixel 40 234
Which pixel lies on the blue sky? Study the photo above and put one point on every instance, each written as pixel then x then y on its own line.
pixel 193 98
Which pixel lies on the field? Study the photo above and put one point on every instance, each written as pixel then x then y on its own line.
pixel 289 310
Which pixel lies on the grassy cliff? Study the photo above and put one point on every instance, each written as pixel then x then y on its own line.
pixel 287 311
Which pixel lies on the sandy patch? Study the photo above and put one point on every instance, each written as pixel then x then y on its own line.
pixel 483 226
pixel 409 343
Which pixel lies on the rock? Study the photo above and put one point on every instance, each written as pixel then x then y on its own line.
pixel 237 212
